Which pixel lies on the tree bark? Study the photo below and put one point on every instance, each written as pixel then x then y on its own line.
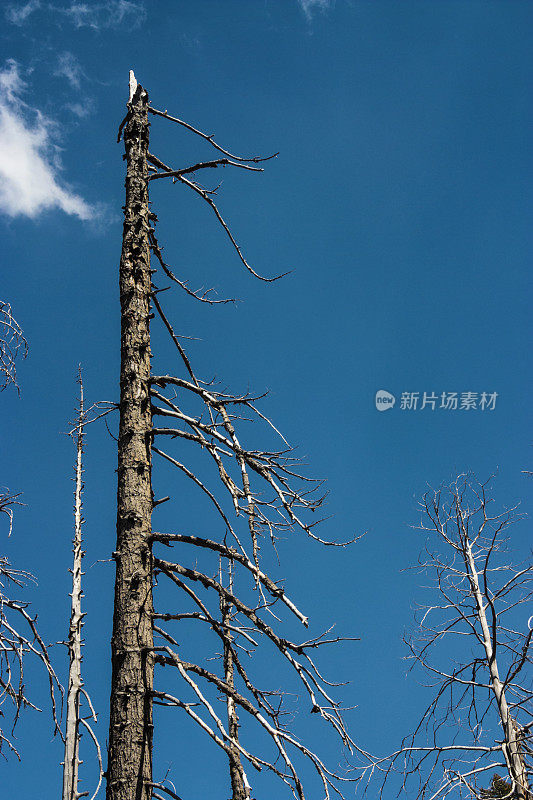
pixel 130 734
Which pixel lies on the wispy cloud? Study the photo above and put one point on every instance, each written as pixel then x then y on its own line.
pixel 109 14
pixel 19 13
pixel 69 67
pixel 29 163
pixel 81 110
pixel 106 14
pixel 191 43
pixel 310 6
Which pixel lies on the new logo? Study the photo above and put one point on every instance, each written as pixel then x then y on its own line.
pixel 384 400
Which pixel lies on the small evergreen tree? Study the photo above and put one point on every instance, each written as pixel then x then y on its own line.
pixel 498 788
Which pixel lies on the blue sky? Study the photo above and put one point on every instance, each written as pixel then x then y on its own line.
pixel 400 201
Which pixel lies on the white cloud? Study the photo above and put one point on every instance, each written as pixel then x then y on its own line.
pixel 109 14
pixel 11 84
pixel 309 6
pixel 18 14
pixel 69 67
pixel 81 110
pixel 29 163
pixel 106 14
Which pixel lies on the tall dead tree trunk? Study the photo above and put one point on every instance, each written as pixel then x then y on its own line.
pixel 77 716
pixel 72 732
pixel 213 430
pixel 130 735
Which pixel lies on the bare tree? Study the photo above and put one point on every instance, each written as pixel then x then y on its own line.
pixel 130 735
pixel 263 488
pixel 12 345
pixel 7 502
pixel 474 644
pixel 19 635
pixel 76 693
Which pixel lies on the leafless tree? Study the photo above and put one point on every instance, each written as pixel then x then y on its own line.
pixel 76 692
pixel 7 502
pixel 19 635
pixel 473 642
pixel 12 345
pixel 264 489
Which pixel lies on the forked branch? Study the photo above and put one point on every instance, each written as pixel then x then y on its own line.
pixel 13 345
pixel 478 720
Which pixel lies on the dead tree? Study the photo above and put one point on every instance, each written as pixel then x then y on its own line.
pixel 130 734
pixel 12 345
pixel 19 638
pixel 263 489
pixel 19 635
pixel 474 644
pixel 76 692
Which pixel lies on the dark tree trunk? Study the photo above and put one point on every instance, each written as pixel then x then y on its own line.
pixel 130 735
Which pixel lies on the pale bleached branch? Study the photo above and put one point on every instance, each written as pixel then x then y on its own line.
pixel 466 555
pixel 13 345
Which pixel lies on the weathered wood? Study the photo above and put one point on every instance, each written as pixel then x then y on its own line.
pixel 511 745
pixel 75 683
pixel 239 784
pixel 130 736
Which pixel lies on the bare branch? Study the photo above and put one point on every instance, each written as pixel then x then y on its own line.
pixel 12 345
pixel 208 138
